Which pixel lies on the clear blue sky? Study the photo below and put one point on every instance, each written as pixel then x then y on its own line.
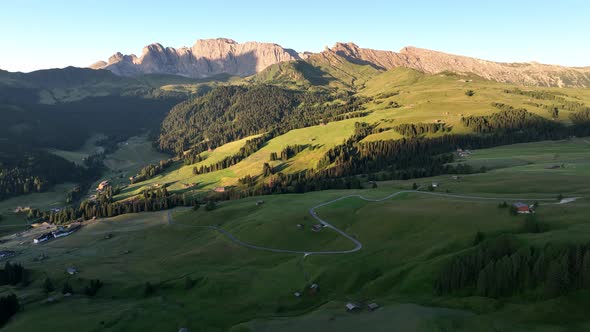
pixel 37 34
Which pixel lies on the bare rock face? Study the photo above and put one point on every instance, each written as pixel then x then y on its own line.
pixel 206 58
pixel 211 57
pixel 433 62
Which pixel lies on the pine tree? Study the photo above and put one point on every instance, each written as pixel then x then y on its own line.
pixel 586 269
pixel 48 285
pixel 67 289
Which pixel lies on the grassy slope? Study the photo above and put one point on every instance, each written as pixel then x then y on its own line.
pixel 404 243
pixel 425 98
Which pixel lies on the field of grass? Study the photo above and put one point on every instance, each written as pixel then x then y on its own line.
pixel 405 240
pixel 130 157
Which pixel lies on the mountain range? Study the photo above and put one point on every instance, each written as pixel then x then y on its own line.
pixel 212 57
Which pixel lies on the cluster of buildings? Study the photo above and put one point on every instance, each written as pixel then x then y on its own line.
pixel 59 232
pixel 352 307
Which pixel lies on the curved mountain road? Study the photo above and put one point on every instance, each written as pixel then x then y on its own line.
pixel 326 224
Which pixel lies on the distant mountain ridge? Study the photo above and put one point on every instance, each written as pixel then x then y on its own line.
pixel 210 57
pixel 206 58
pixel 432 62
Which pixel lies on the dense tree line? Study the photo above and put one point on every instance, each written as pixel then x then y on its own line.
pixel 509 119
pixel 346 116
pixel 12 274
pixel 37 171
pixel 104 206
pixel 500 268
pixel 230 113
pixel 419 129
pixel 581 118
pixel 9 306
pixel 193 156
pixel 151 170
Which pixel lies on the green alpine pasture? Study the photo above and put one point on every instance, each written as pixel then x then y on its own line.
pixel 421 99
pixel 202 280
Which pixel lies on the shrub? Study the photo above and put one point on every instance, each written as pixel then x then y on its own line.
pixel 149 289
pixel 210 206
pixel 93 287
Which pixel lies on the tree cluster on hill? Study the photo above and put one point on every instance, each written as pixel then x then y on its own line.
pixel 36 171
pixel 500 268
pixel 419 129
pixel 104 206
pixel 12 274
pixel 229 113
pixel 151 170
pixel 74 194
pixel 509 119
pixel 93 287
pixel 288 152
pixel 581 118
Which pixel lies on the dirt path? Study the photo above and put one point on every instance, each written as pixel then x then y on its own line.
pixel 357 244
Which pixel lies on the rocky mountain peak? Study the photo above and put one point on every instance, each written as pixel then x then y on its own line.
pixel 210 57
pixel 207 57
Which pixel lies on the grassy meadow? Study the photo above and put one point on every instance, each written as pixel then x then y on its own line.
pixel 405 241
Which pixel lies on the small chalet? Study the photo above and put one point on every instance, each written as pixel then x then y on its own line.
pixel 259 202
pixel 219 190
pixel 372 306
pixel 314 288
pixel 102 186
pixel 317 227
pixel 350 307
pixel 297 294
pixel 434 184
pixel 43 238
pixel 71 270
pixel 522 208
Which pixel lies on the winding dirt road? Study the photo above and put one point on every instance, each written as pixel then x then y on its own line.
pixel 357 244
